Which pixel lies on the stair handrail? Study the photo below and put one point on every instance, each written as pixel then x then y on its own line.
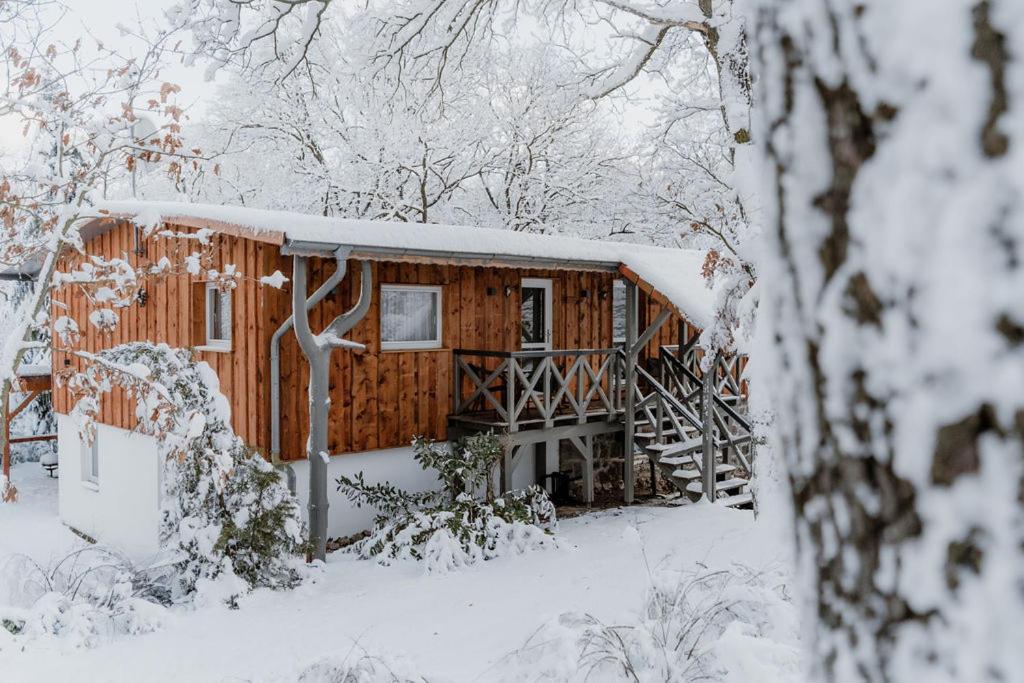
pixel 665 353
pixel 667 396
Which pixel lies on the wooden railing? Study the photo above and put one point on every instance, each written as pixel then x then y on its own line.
pixel 523 388
pixel 658 404
pixel 681 379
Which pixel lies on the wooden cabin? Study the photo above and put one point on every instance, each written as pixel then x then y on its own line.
pixel 466 329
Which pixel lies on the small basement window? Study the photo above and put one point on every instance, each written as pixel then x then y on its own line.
pixel 91 461
pixel 410 317
pixel 218 317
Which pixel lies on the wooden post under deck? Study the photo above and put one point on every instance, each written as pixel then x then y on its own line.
pixel 629 373
pixel 707 418
pixel 33 385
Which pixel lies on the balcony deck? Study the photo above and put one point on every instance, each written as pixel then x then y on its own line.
pixel 527 390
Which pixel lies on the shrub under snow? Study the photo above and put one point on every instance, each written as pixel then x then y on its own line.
pixel 84 596
pixel 456 526
pixel 227 515
pixel 356 666
pixel 694 625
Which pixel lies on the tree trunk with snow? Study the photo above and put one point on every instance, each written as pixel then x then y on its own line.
pixel 892 136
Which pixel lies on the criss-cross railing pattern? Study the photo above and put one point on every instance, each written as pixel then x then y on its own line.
pixel 671 405
pixel 660 405
pixel 682 380
pixel 524 387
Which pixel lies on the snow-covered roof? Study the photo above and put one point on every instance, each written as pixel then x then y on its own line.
pixel 675 273
pixel 34 369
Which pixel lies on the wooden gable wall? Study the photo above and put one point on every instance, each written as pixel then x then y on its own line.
pixel 168 316
pixel 379 399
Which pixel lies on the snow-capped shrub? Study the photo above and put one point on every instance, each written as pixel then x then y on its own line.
pixel 356 666
pixel 694 625
pixel 463 523
pixel 227 515
pixel 85 596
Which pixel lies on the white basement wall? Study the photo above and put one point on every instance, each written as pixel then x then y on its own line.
pixel 393 465
pixel 123 509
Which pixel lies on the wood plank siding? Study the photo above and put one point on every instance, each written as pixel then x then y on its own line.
pixel 173 314
pixel 379 399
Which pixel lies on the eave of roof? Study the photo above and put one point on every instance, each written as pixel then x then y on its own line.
pixel 671 276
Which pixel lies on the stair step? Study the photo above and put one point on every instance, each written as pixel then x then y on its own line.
pixel 726 485
pixel 679 448
pixel 694 473
pixel 737 500
pixel 645 422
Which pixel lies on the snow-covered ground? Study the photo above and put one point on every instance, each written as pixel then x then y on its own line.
pixel 30 526
pixel 459 626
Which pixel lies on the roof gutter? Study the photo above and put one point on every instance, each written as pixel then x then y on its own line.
pixel 480 259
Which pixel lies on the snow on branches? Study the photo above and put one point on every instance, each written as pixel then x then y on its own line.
pixel 88 113
pixel 453 527
pixel 229 522
pixel 695 624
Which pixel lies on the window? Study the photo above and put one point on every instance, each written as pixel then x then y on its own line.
pixel 410 317
pixel 535 313
pixel 218 317
pixel 91 461
pixel 619 311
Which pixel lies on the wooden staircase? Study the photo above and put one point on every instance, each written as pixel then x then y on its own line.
pixel 670 414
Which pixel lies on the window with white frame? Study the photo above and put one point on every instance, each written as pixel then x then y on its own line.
pixel 410 317
pixel 91 461
pixel 218 317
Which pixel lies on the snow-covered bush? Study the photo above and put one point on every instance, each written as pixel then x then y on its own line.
pixel 695 625
pixel 227 515
pixel 87 595
pixel 356 666
pixel 461 524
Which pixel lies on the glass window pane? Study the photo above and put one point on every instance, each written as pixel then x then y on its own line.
pixel 409 315
pixel 224 316
pixel 211 314
pixel 91 460
pixel 533 315
pixel 218 314
pixel 618 310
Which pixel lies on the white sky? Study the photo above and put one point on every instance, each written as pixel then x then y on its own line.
pixel 93 20
pixel 99 19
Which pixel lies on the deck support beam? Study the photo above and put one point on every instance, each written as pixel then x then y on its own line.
pixel 629 372
pixel 707 418
pixel 634 347
pixel 585 445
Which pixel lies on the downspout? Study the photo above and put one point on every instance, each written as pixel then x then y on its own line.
pixel 275 362
pixel 317 347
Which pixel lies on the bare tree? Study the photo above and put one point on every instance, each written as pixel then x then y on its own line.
pixel 416 41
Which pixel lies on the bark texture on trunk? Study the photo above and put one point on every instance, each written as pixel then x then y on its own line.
pixel 891 136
